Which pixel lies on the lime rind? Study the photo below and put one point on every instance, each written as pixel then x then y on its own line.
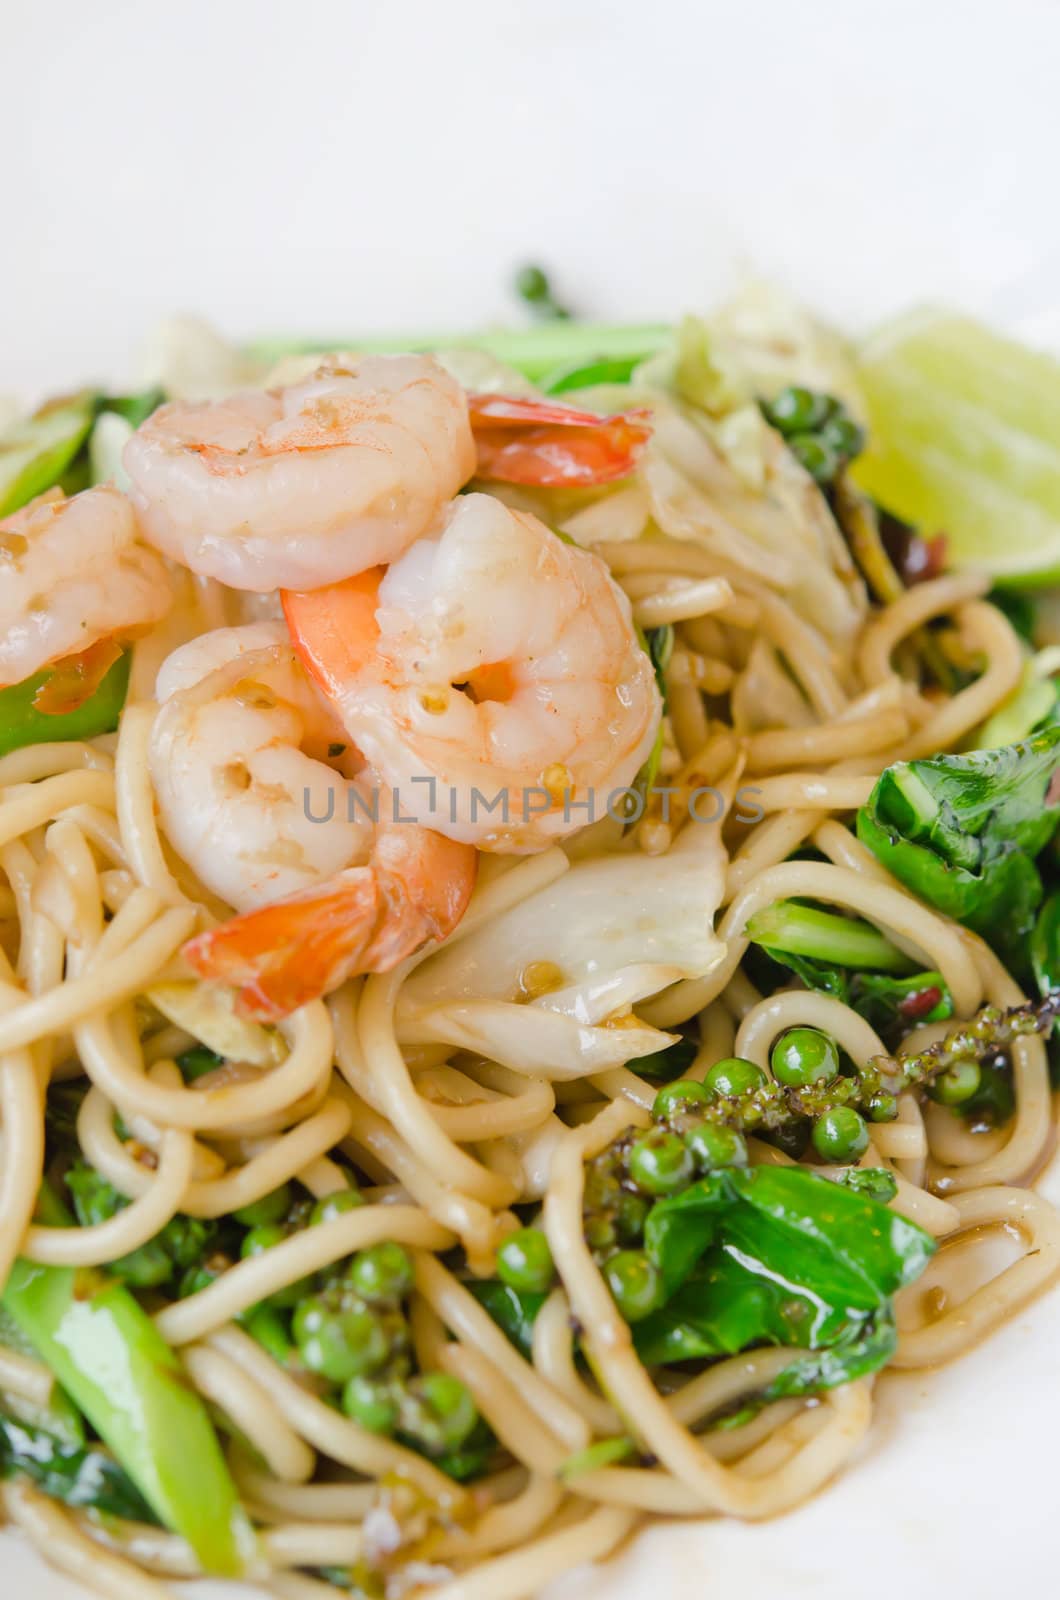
pixel 965 439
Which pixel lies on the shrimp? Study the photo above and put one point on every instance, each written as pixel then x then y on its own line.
pixel 73 582
pixel 299 486
pixel 537 442
pixel 493 666
pixel 326 881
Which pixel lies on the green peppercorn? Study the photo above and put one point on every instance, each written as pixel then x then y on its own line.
pixel 603 1190
pixel 270 1208
pixel 799 410
pixel 684 1095
pixel 437 1410
pixel 381 1273
pixel 339 1345
pixel 601 1232
pixel 335 1205
pixel 842 434
pixel 260 1238
pixel 803 1056
pixel 371 1404
pixel 635 1284
pixel 524 1261
pixel 630 1217
pixel 957 1084
pixel 733 1076
pixel 660 1162
pixel 840 1135
pixel 819 459
pixel 532 285
pixel 713 1146
pixel 200 1277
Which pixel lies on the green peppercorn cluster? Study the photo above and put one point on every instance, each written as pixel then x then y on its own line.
pixel 345 1330
pixel 809 1088
pixel 624 1181
pixel 817 429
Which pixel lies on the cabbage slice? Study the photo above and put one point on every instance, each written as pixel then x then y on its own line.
pixel 610 933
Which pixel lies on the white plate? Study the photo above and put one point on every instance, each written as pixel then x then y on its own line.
pixel 343 166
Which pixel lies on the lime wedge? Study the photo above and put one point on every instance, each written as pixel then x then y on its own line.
pixel 965 438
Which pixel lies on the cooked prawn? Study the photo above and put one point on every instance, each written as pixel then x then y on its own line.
pixel 493 665
pixel 74 582
pixel 299 486
pixel 520 439
pixel 239 761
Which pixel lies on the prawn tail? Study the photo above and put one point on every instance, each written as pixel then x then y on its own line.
pixel 540 443
pixel 281 956
pixel 75 679
pixel 365 919
pixel 426 882
pixel 334 629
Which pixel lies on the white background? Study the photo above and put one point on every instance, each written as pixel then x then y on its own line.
pixel 293 165
pixel 333 165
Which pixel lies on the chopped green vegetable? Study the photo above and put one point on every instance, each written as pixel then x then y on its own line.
pixel 77 1474
pixel 111 1359
pixel 588 374
pixel 789 928
pixel 197 1061
pixel 535 352
pixel 532 284
pixel 1045 946
pixel 773 1254
pixel 513 1310
pixel 36 452
pixel 181 1243
pixel 875 1182
pixel 962 832
pixel 666 1064
pixel 22 724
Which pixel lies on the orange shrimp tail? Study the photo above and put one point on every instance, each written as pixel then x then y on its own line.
pixel 334 629
pixel 75 679
pixel 539 443
pixel 283 955
pixel 365 919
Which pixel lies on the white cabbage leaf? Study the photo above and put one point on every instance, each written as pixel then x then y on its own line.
pixel 613 930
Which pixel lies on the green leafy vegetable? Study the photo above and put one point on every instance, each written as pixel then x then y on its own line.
pixel 963 831
pixel 587 374
pixel 110 1358
pixel 513 1310
pixel 78 1475
pixel 994 1101
pixel 892 1005
pixel 789 928
pixel 533 285
pixel 198 1061
pixel 774 1255
pixel 22 724
pixel 181 1243
pixel 1045 946
pixel 876 1182
pixel 665 1065
pixel 535 352
pixel 36 452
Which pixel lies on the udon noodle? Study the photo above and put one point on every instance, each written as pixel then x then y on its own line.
pixel 393 1078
